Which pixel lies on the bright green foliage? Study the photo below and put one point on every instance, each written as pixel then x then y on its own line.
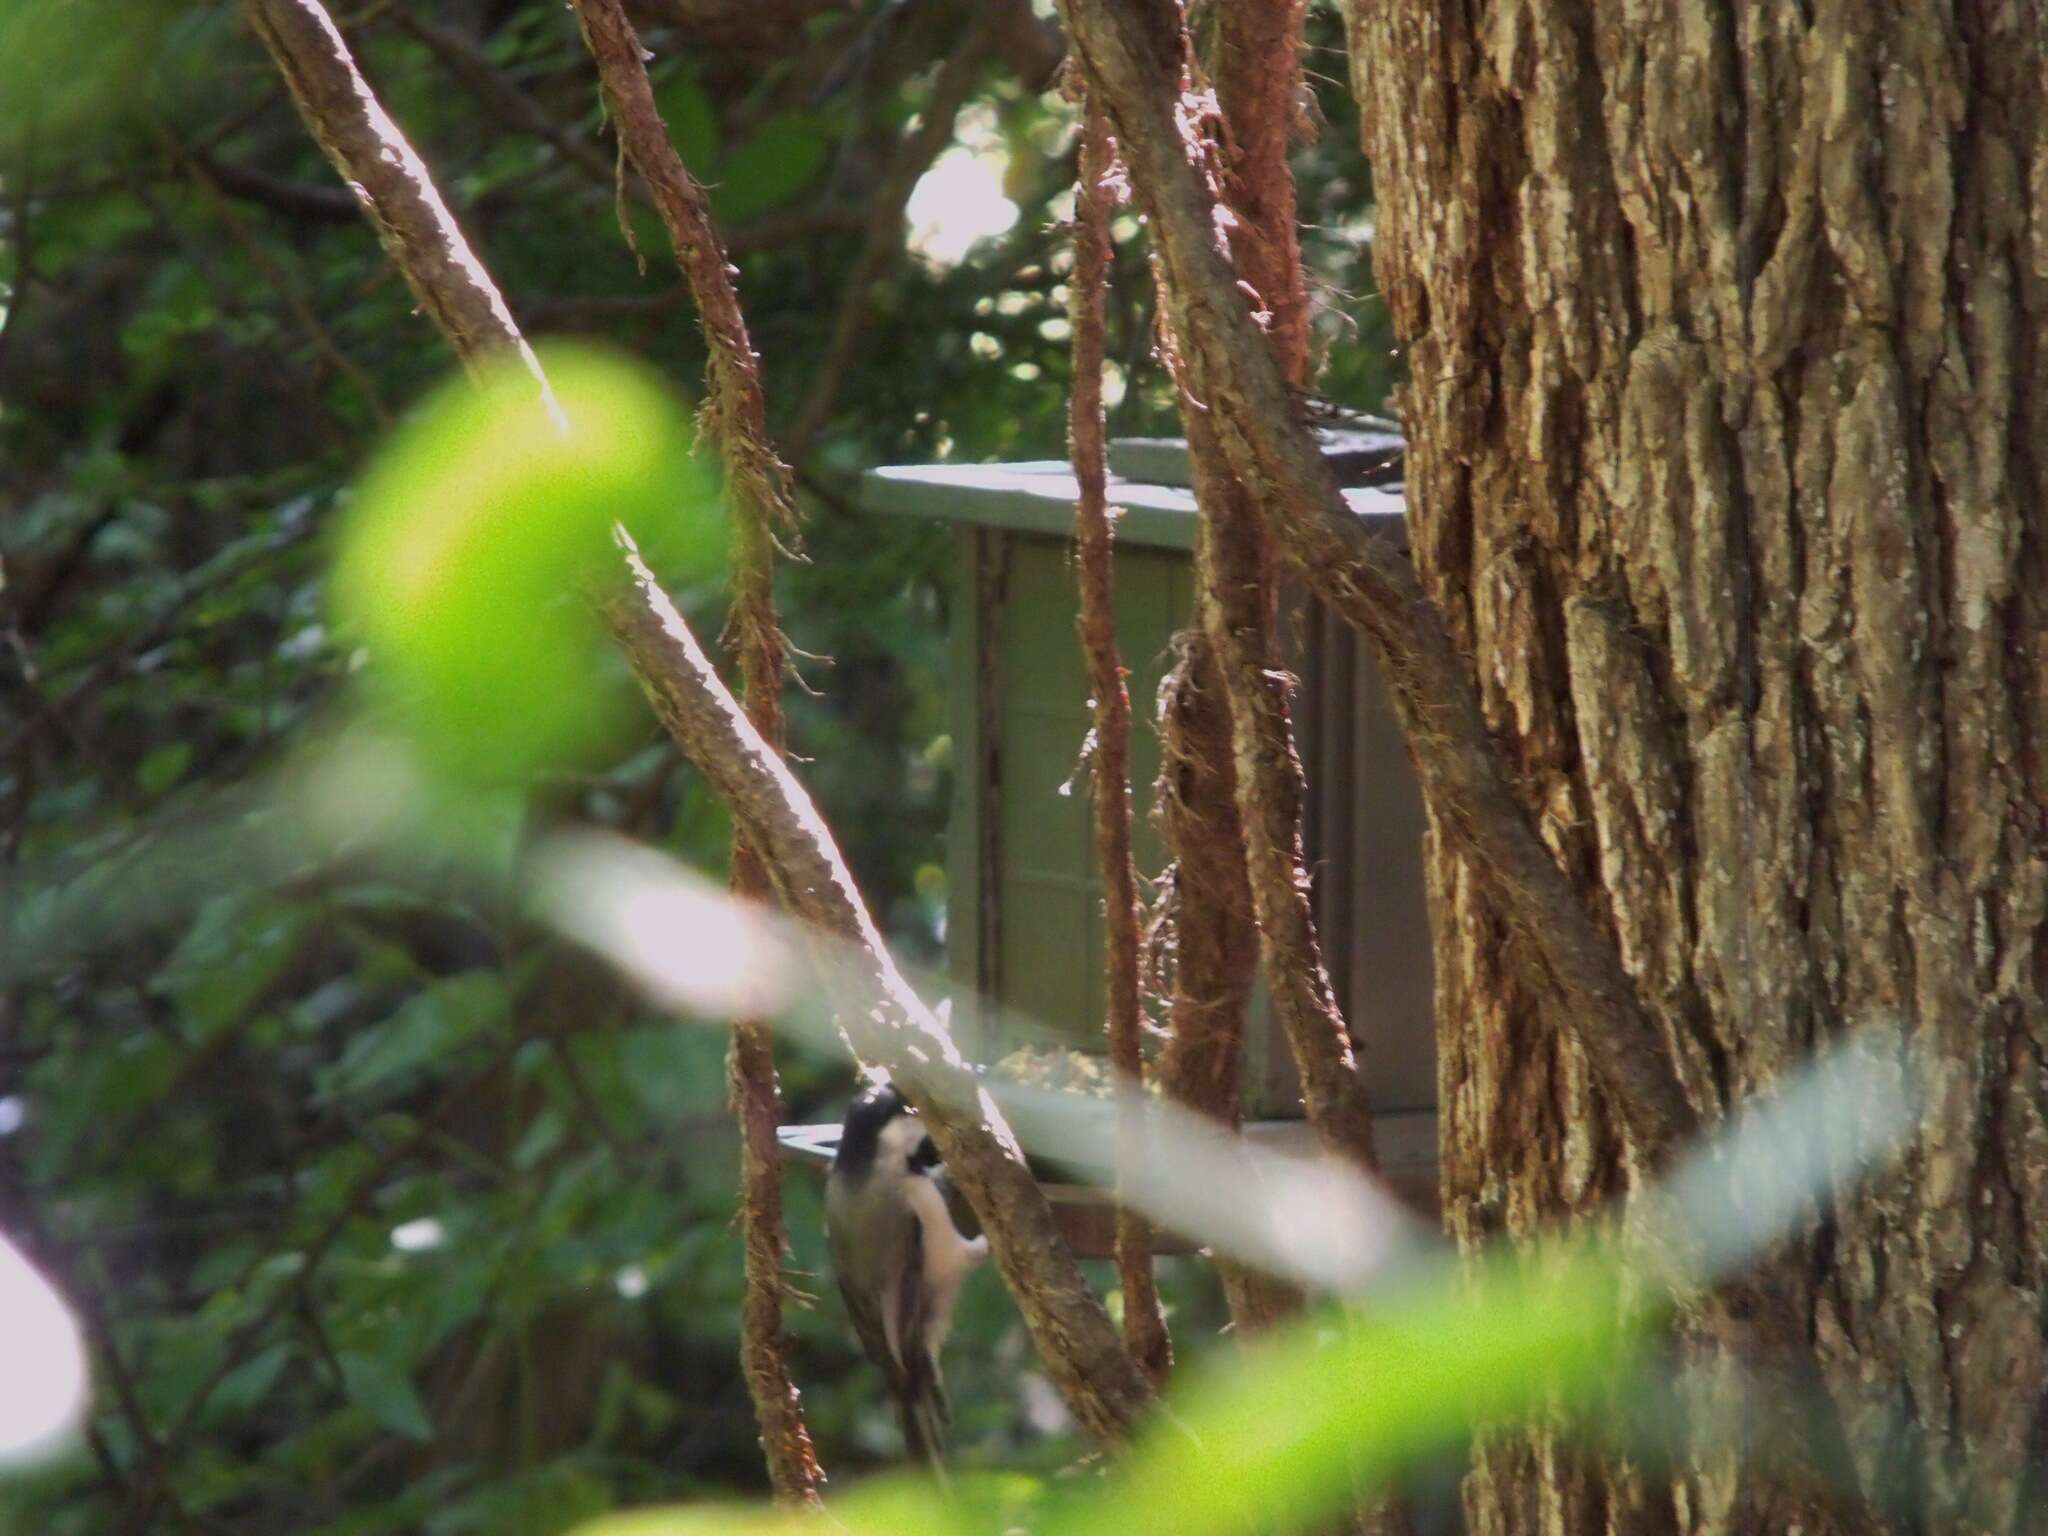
pixel 466 558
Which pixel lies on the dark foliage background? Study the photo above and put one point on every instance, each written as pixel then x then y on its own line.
pixel 385 1214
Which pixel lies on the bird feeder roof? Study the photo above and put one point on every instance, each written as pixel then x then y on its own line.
pixel 1149 480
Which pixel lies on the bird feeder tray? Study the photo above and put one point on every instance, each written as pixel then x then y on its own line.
pixel 1086 1213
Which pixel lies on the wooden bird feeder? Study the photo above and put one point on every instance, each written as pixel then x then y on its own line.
pixel 1024 911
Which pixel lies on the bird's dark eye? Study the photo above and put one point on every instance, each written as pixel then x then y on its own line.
pixel 925 1154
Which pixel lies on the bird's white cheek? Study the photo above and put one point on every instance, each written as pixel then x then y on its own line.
pixel 899 1139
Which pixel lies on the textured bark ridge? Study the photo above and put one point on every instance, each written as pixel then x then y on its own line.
pixel 1205 911
pixel 1723 326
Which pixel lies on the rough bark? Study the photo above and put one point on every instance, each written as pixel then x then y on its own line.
pixel 759 496
pixel 1110 744
pixel 1204 926
pixel 1133 53
pixel 1258 80
pixel 1726 384
pixel 887 1023
pixel 1257 77
pixel 1204 918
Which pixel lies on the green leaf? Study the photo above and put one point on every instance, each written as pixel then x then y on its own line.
pixel 237 945
pixel 541 1138
pixel 783 157
pixel 386 1395
pixel 424 1030
pixel 1345 1401
pixel 686 108
pixel 164 767
pixel 244 1388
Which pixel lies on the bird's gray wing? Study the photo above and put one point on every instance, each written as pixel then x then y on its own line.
pixel 922 1401
pixel 877 1246
pixel 870 1235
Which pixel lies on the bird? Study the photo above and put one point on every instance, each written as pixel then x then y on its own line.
pixel 900 1256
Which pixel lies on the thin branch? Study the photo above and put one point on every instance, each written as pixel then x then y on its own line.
pixel 203 175
pixel 294 199
pixel 1203 924
pixel 504 100
pixel 1257 76
pixel 763 505
pixel 767 233
pixel 1133 55
pixel 1094 198
pixel 1103 1386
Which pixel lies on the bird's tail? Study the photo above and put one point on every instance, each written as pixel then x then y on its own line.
pixel 925 1414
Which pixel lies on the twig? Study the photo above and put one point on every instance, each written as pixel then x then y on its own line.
pixel 1110 748
pixel 1103 1386
pixel 505 101
pixel 294 199
pixel 389 180
pixel 294 298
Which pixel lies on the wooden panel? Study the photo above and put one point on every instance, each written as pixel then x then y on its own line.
pixel 1025 912
pixel 1050 925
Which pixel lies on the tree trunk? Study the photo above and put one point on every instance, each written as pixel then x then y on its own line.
pixel 1722 325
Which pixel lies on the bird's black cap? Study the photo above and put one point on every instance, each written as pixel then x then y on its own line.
pixel 865 1117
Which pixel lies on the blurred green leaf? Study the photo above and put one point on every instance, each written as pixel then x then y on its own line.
pixel 386 1396
pixel 1332 1405
pixel 244 1388
pixel 1339 1401
pixel 692 123
pixel 783 157
pixel 426 1029
pixel 462 560
pixel 164 767
pixel 235 947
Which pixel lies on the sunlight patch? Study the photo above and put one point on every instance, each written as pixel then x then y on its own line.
pixel 960 202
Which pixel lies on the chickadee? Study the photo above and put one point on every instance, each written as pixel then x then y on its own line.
pixel 900 1256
